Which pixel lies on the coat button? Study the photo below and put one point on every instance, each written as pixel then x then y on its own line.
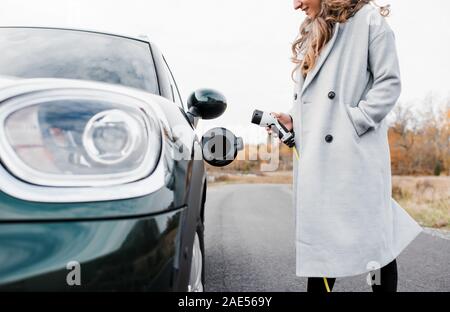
pixel 331 95
pixel 295 96
pixel 328 138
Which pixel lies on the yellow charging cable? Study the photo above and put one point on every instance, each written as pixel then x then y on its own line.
pixel 326 284
pixel 296 153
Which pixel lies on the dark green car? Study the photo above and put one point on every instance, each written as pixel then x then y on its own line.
pixel 102 177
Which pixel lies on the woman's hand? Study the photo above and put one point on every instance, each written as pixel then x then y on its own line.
pixel 283 118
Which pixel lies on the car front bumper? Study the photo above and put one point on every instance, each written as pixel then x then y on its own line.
pixel 128 254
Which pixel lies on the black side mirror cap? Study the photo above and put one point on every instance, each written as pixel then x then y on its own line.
pixel 205 104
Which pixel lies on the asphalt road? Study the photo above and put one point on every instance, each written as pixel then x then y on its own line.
pixel 249 240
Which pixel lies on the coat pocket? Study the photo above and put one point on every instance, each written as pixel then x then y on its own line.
pixel 358 121
pixel 350 125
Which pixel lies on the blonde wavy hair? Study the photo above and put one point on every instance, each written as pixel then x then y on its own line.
pixel 315 32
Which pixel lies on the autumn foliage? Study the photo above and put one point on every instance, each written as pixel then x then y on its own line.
pixel 420 142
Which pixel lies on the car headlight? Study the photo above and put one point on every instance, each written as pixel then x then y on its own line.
pixel 79 137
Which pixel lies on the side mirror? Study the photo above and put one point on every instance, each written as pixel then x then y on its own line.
pixel 220 146
pixel 205 104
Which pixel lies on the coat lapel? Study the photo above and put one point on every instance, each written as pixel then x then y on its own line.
pixel 322 57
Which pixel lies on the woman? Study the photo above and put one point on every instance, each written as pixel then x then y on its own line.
pixel 347 81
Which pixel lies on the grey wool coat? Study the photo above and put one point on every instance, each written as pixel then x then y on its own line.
pixel 347 223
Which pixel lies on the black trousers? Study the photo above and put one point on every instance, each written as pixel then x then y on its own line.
pixel 388 277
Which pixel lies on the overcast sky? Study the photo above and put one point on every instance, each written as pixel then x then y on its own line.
pixel 242 47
